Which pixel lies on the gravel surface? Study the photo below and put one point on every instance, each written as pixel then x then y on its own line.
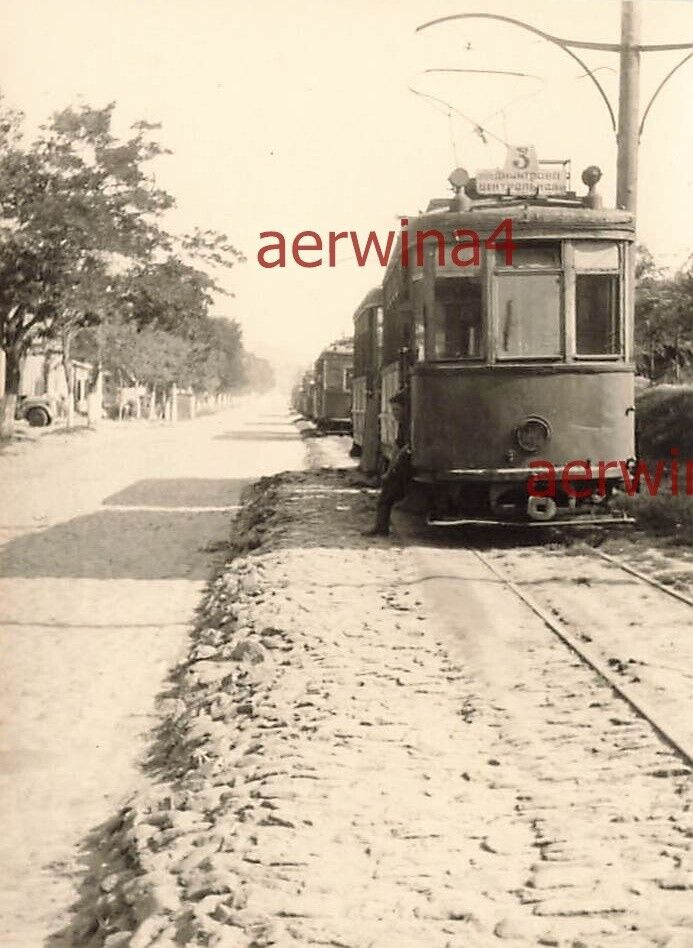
pixel 372 744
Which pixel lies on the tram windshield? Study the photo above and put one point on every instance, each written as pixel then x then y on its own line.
pixel 597 323
pixel 556 300
pixel 457 318
pixel 529 302
pixel 597 330
pixel 333 375
pixel 529 307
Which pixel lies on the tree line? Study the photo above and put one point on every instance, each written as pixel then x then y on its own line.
pixel 87 264
pixel 663 320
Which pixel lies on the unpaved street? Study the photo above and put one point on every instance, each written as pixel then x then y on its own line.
pixel 363 743
pixel 374 744
pixel 107 540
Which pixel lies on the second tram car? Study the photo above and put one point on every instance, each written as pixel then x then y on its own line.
pixel 365 405
pixel 513 359
pixel 332 387
pixel 304 395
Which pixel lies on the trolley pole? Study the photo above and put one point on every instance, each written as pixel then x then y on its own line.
pixel 628 107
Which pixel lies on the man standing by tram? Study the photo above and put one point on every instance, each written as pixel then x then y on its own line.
pixel 396 480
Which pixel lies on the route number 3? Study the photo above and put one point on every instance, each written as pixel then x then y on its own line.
pixel 521 158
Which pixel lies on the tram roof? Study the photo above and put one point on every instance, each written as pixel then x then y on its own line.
pixel 531 218
pixel 343 347
pixel 373 297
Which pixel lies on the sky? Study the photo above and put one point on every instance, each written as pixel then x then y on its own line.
pixel 293 116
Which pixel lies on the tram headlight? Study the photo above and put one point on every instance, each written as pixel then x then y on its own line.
pixel 533 433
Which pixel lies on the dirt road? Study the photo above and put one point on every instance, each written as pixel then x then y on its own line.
pixel 375 744
pixel 107 539
pixel 366 743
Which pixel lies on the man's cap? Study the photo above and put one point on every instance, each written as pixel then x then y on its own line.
pixel 399 398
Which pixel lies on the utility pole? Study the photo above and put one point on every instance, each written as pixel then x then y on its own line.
pixel 628 107
pixel 629 48
pixel 628 137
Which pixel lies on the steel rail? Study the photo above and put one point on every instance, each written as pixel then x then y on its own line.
pixel 678 743
pixel 644 577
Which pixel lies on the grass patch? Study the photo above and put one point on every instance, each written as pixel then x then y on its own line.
pixel 664 420
pixel 664 516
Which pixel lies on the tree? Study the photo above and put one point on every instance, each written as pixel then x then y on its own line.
pixel 149 356
pixel 205 353
pixel 663 318
pixel 81 237
pixel 216 356
pixel 68 201
pixel 259 374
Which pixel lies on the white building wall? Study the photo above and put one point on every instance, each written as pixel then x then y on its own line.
pixel 43 374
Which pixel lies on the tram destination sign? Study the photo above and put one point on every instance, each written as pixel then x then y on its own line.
pixel 523 174
pixel 543 181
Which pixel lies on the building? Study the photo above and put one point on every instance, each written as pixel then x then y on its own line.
pixel 43 374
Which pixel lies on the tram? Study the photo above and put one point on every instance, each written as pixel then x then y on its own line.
pixel 365 404
pixel 302 395
pixel 512 359
pixel 331 409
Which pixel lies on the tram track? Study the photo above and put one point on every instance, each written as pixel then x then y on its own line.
pixel 669 733
pixel 600 772
pixel 674 593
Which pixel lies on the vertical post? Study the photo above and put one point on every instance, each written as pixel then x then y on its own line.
pixel 95 400
pixel 95 384
pixel 628 107
pixel 628 142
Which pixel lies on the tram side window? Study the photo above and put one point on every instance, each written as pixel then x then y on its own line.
pixel 391 335
pixel 360 352
pixel 597 326
pixel 378 337
pixel 529 315
pixel 334 377
pixel 457 318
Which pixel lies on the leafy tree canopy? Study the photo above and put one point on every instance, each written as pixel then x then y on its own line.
pixel 82 238
pixel 663 319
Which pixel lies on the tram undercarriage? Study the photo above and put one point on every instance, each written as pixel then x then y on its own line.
pixel 464 503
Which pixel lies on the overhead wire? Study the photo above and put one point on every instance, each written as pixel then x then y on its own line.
pixel 480 128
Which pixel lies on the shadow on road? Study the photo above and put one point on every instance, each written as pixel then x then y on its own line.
pixel 133 539
pixel 257 436
pixel 265 424
pixel 180 492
